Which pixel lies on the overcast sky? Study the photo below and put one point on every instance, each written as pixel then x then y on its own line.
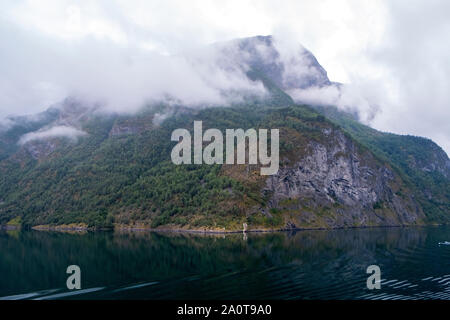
pixel 395 52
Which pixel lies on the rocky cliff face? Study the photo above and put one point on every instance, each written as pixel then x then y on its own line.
pixel 41 149
pixel 120 171
pixel 349 187
pixel 436 160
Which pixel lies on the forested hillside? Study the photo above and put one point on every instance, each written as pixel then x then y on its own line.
pixel 116 171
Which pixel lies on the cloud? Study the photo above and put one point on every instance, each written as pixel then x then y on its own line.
pixel 39 70
pixel 347 97
pixel 54 132
pixel 415 57
pixel 392 53
pixel 5 124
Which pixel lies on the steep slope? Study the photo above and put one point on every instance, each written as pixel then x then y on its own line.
pixel 287 69
pixel 18 126
pixel 117 171
pixel 326 179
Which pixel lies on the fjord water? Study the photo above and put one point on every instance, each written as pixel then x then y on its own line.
pixel 285 265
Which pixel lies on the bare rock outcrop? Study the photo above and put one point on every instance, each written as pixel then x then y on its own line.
pixel 337 184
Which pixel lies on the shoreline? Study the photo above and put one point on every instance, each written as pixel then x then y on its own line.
pixel 84 228
pixel 197 231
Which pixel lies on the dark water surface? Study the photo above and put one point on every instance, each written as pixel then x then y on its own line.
pixel 300 265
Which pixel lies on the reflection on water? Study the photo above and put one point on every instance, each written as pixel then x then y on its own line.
pixel 299 265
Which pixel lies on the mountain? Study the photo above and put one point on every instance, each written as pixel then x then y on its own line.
pixel 73 164
pixel 287 70
pixel 420 161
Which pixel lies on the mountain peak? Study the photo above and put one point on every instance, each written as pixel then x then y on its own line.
pixel 289 66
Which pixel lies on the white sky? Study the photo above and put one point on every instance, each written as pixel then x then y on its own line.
pixel 395 51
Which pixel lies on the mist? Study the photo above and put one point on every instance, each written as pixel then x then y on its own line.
pixel 38 71
pixel 53 132
pixel 392 57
